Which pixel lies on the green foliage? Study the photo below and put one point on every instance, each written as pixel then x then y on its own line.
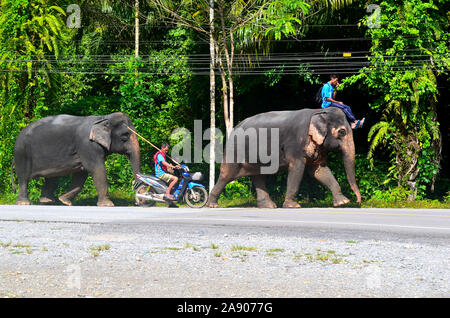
pixel 238 189
pixel 153 91
pixel 283 17
pixel 47 69
pixel 396 194
pixel 30 31
pixel 407 99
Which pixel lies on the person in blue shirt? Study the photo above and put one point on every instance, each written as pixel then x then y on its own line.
pixel 161 166
pixel 328 99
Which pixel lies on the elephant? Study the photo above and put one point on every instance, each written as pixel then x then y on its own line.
pixel 64 145
pixel 304 138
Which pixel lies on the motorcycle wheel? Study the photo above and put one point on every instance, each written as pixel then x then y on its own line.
pixel 142 189
pixel 196 197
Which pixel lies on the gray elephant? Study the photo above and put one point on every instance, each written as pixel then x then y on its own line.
pixel 304 138
pixel 71 145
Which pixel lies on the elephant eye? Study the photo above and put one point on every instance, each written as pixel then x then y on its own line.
pixel 125 136
pixel 342 132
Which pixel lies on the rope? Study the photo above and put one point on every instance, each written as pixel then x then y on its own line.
pixel 151 144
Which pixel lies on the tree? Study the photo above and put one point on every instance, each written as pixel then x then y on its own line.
pixel 409 51
pixel 32 36
pixel 30 33
pixel 230 18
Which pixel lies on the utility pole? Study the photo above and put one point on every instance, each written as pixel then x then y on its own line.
pixel 212 96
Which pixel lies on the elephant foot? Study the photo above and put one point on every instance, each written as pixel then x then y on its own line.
pixel 105 202
pixel 23 202
pixel 65 201
pixel 266 204
pixel 212 205
pixel 340 200
pixel 291 204
pixel 45 200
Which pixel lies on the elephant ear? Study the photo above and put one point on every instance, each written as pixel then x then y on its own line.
pixel 318 127
pixel 101 133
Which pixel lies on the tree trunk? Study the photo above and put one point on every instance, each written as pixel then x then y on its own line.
pixel 227 88
pixel 136 36
pixel 230 80
pixel 212 96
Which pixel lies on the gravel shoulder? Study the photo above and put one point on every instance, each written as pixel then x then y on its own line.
pixel 58 259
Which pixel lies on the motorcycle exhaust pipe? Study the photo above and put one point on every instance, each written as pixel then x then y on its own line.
pixel 157 197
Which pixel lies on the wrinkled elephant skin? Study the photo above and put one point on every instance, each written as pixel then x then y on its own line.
pixel 304 139
pixel 64 145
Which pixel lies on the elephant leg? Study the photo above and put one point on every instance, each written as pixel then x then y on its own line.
pixel 101 184
pixel 295 175
pixel 226 175
pixel 23 172
pixel 47 194
pixel 22 197
pixel 262 197
pixel 324 176
pixel 78 180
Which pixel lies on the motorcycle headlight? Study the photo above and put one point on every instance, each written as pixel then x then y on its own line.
pixel 197 176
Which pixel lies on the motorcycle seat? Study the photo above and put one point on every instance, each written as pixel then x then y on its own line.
pixel 150 176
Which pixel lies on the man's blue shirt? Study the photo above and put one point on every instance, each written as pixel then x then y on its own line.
pixel 327 91
pixel 158 166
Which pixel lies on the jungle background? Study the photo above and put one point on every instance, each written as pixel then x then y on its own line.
pixel 392 58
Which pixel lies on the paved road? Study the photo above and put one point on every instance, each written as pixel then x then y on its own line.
pixel 59 251
pixel 419 222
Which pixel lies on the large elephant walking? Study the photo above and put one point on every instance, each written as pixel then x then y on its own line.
pixel 304 138
pixel 62 145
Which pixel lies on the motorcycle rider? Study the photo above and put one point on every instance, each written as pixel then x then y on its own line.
pixel 161 169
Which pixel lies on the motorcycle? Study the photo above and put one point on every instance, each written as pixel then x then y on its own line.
pixel 150 189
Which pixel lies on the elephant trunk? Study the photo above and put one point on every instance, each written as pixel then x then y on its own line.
pixel 135 155
pixel 348 154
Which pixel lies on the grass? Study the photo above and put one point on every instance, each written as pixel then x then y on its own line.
pixel 275 250
pixel 189 245
pixel 18 245
pixel 122 197
pixel 172 248
pixel 329 257
pixel 95 250
pixel 324 257
pixel 245 202
pixel 17 248
pixel 236 248
pixel 214 246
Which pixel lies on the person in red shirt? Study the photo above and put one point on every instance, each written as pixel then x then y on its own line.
pixel 161 166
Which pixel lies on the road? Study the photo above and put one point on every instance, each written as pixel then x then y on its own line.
pixel 418 222
pixel 224 252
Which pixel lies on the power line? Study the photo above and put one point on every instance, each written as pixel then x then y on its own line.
pixel 205 57
pixel 258 71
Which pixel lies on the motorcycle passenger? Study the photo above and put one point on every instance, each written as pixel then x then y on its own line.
pixel 161 166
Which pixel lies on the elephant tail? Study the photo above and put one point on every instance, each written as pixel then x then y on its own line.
pixel 13 185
